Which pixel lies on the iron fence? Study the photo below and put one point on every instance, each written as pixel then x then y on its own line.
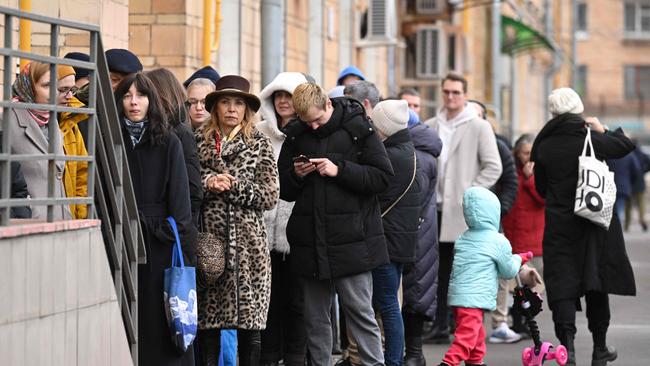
pixel 110 193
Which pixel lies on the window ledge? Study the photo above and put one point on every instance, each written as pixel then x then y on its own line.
pixel 582 35
pixel 642 37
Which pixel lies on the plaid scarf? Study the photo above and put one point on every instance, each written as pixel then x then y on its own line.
pixel 23 91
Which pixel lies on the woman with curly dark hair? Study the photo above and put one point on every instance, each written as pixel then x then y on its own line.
pixel 161 189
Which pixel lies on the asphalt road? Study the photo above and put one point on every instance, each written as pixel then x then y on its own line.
pixel 629 329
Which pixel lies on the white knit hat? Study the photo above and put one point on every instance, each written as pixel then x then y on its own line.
pixel 390 116
pixel 564 100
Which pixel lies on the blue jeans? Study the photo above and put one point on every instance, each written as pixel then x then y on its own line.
pixel 385 283
pixel 619 207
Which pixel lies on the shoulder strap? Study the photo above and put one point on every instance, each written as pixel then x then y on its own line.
pixel 177 253
pixel 415 169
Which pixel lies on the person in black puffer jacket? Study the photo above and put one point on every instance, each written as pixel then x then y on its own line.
pixel 333 165
pixel 400 207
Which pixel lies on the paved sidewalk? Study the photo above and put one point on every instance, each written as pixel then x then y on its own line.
pixel 629 331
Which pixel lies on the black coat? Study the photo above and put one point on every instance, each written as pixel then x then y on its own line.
pixel 191 157
pixel 421 278
pixel 18 190
pixel 161 189
pixel 402 220
pixel 579 256
pixel 507 185
pixel 335 228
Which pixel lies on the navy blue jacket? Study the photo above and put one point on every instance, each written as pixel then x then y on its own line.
pixel 420 280
pixel 626 170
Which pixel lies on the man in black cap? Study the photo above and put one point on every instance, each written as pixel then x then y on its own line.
pixel 121 63
pixel 81 75
pixel 206 72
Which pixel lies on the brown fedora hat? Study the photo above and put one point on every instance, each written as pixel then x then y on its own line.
pixel 232 85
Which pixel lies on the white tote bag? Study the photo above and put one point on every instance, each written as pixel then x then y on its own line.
pixel 596 190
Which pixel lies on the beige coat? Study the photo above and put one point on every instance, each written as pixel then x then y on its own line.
pixel 473 160
pixel 27 138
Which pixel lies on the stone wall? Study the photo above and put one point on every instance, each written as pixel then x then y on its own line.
pixel 59 305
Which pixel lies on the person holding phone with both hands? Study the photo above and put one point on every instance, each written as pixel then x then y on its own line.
pixel 335 230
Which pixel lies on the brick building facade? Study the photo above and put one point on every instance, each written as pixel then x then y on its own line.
pixel 613 62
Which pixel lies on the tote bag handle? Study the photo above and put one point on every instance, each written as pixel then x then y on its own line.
pixel 588 142
pixel 177 254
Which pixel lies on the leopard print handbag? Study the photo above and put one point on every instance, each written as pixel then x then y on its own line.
pixel 210 256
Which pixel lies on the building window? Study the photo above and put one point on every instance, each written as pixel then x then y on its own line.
pixel 637 19
pixel 581 80
pixel 637 82
pixel 581 17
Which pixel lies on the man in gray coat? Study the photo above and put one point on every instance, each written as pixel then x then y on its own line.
pixel 469 158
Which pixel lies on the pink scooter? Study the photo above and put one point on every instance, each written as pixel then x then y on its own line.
pixel 531 304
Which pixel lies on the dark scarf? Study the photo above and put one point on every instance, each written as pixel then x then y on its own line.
pixel 135 129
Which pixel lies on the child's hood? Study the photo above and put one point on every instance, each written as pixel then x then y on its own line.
pixel 481 209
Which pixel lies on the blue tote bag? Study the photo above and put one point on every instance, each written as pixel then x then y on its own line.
pixel 181 306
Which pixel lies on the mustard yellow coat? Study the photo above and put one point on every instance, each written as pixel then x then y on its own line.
pixel 75 176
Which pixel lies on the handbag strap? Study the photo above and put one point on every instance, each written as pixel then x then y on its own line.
pixel 588 143
pixel 177 254
pixel 415 168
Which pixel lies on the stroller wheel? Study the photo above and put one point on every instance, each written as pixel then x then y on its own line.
pixel 526 356
pixel 561 355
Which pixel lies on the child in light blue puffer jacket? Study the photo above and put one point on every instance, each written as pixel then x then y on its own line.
pixel 481 256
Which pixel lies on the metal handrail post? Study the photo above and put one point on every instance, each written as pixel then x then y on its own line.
pixel 6 148
pixel 52 124
pixel 92 122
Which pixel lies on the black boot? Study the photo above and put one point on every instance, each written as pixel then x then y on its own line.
pixel 250 345
pixel 601 356
pixel 414 355
pixel 294 359
pixel 209 342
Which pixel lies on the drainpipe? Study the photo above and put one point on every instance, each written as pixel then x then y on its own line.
pixel 25 32
pixel 496 55
pixel 217 26
pixel 574 45
pixel 514 98
pixel 548 75
pixel 272 39
pixel 207 32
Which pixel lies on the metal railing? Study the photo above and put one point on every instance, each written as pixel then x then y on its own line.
pixel 110 192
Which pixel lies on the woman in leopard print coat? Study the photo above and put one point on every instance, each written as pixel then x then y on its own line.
pixel 239 175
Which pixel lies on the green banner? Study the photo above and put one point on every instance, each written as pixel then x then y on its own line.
pixel 517 37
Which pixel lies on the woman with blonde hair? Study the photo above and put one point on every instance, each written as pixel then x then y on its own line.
pixel 239 175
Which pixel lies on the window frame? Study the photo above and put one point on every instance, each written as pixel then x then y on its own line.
pixel 583 30
pixel 637 31
pixel 631 73
pixel 582 77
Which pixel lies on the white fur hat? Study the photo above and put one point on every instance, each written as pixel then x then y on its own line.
pixel 390 116
pixel 564 100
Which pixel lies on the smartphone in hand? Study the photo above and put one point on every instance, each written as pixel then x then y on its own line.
pixel 301 159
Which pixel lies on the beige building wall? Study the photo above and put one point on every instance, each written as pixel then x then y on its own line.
pixel 60 306
pixel 605 52
pixel 169 33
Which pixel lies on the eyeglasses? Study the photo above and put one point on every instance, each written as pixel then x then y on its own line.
pixel 455 93
pixel 65 91
pixel 193 102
